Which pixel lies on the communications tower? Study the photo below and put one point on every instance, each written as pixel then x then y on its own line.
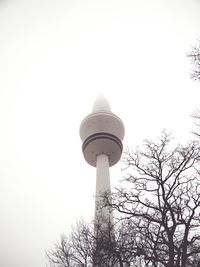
pixel 102 133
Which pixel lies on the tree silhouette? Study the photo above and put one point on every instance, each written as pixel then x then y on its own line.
pixel 194 55
pixel 161 201
pixel 157 214
pixel 83 248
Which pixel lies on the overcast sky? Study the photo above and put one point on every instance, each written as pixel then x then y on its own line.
pixel 55 58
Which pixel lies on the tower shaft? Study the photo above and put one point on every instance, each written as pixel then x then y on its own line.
pixel 103 214
pixel 102 186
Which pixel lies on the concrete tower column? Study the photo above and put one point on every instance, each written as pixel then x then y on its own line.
pixel 102 185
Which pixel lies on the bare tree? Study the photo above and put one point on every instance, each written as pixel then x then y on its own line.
pixel 75 250
pixel 196 117
pixel 161 201
pixel 84 249
pixel 157 210
pixel 194 54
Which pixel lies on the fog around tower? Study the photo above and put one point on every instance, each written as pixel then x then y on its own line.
pixel 56 56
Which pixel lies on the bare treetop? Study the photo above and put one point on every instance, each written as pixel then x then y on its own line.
pixel 194 54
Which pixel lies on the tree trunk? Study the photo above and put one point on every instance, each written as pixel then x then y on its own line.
pixel 120 259
pixel 184 253
pixel 171 252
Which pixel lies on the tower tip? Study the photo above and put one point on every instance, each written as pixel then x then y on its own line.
pixel 101 104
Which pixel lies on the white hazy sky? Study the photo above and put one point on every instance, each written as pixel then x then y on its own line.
pixel 55 58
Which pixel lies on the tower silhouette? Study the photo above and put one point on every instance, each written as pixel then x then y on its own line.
pixel 102 133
